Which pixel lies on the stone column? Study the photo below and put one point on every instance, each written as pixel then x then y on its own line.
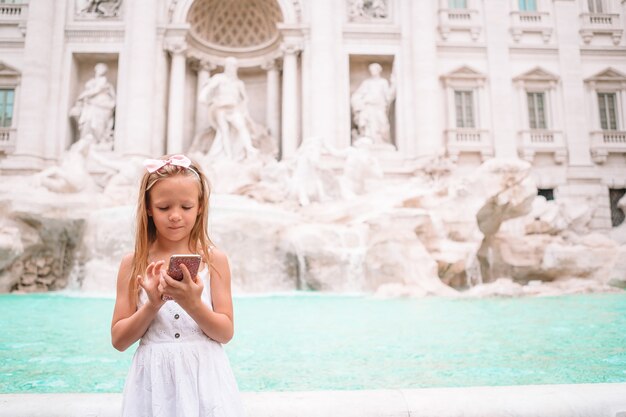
pixel 176 104
pixel 450 121
pixel 594 120
pixel 204 73
pixel 576 129
pixel 405 94
pixel 290 111
pixel 522 114
pixel 35 82
pixel 622 99
pixel 426 89
pixel 556 106
pixel 56 122
pixel 136 103
pixel 498 38
pixel 272 119
pixel 482 101
pixel 325 57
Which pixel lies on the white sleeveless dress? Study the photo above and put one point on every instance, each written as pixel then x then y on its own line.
pixel 178 371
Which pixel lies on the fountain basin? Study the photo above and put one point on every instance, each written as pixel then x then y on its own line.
pixel 310 342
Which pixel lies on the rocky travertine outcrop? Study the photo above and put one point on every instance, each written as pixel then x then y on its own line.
pixel 38 252
pixel 432 232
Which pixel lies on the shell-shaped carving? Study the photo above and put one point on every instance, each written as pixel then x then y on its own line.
pixel 235 23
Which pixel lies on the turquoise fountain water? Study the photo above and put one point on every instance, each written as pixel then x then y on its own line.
pixel 59 343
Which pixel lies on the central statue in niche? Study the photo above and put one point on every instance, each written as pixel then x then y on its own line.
pixel 227 103
pixel 370 107
pixel 94 110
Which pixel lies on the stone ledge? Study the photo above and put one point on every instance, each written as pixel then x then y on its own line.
pixel 589 400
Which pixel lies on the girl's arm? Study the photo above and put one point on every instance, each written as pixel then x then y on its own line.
pixel 130 323
pixel 217 323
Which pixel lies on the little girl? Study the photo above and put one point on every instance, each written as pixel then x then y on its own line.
pixel 180 368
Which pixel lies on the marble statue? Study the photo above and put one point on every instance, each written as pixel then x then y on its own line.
pixel 370 106
pixel 410 235
pixel 303 177
pixel 368 9
pixel 360 166
pixel 120 177
pixel 98 8
pixel 306 180
pixel 71 175
pixel 227 103
pixel 94 110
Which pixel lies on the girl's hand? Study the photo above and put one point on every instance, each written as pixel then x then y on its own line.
pixel 150 283
pixel 186 292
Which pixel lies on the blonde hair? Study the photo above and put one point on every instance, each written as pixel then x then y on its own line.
pixel 145 230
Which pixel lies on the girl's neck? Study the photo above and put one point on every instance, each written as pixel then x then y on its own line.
pixel 170 248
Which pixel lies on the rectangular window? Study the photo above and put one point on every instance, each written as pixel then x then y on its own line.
pixel 464 104
pixel 6 107
pixel 617 214
pixel 528 5
pixel 457 4
pixel 608 114
pixel 536 110
pixel 595 6
pixel 548 193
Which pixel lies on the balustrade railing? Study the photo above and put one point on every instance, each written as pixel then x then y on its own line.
pixel 531 22
pixel 600 21
pixel 601 24
pixel 7 139
pixel 464 20
pixel 12 12
pixel 605 142
pixel 468 140
pixel 543 141
pixel 611 138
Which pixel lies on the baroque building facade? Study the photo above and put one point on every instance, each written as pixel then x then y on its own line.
pixel 542 80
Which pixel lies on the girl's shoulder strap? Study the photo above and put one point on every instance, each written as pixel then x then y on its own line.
pixel 211 254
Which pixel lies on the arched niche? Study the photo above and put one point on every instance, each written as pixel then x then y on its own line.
pixel 290 9
pixel 245 29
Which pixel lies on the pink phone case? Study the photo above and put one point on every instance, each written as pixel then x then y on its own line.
pixel 192 262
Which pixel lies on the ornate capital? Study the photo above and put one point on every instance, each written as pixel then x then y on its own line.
pixel 207 65
pixel 199 63
pixel 270 64
pixel 175 46
pixel 291 47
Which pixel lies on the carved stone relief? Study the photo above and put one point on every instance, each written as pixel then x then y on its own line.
pixel 367 10
pixel 95 9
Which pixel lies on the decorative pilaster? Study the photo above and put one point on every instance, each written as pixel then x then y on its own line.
pixel 35 84
pixel 176 104
pixel 290 113
pixel 570 62
pixel 499 63
pixel 273 98
pixel 138 64
pixel 428 121
pixel 325 54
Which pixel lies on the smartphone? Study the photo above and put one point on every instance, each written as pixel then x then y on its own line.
pixel 192 262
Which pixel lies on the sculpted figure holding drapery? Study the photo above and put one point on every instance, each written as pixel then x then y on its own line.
pixel 370 107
